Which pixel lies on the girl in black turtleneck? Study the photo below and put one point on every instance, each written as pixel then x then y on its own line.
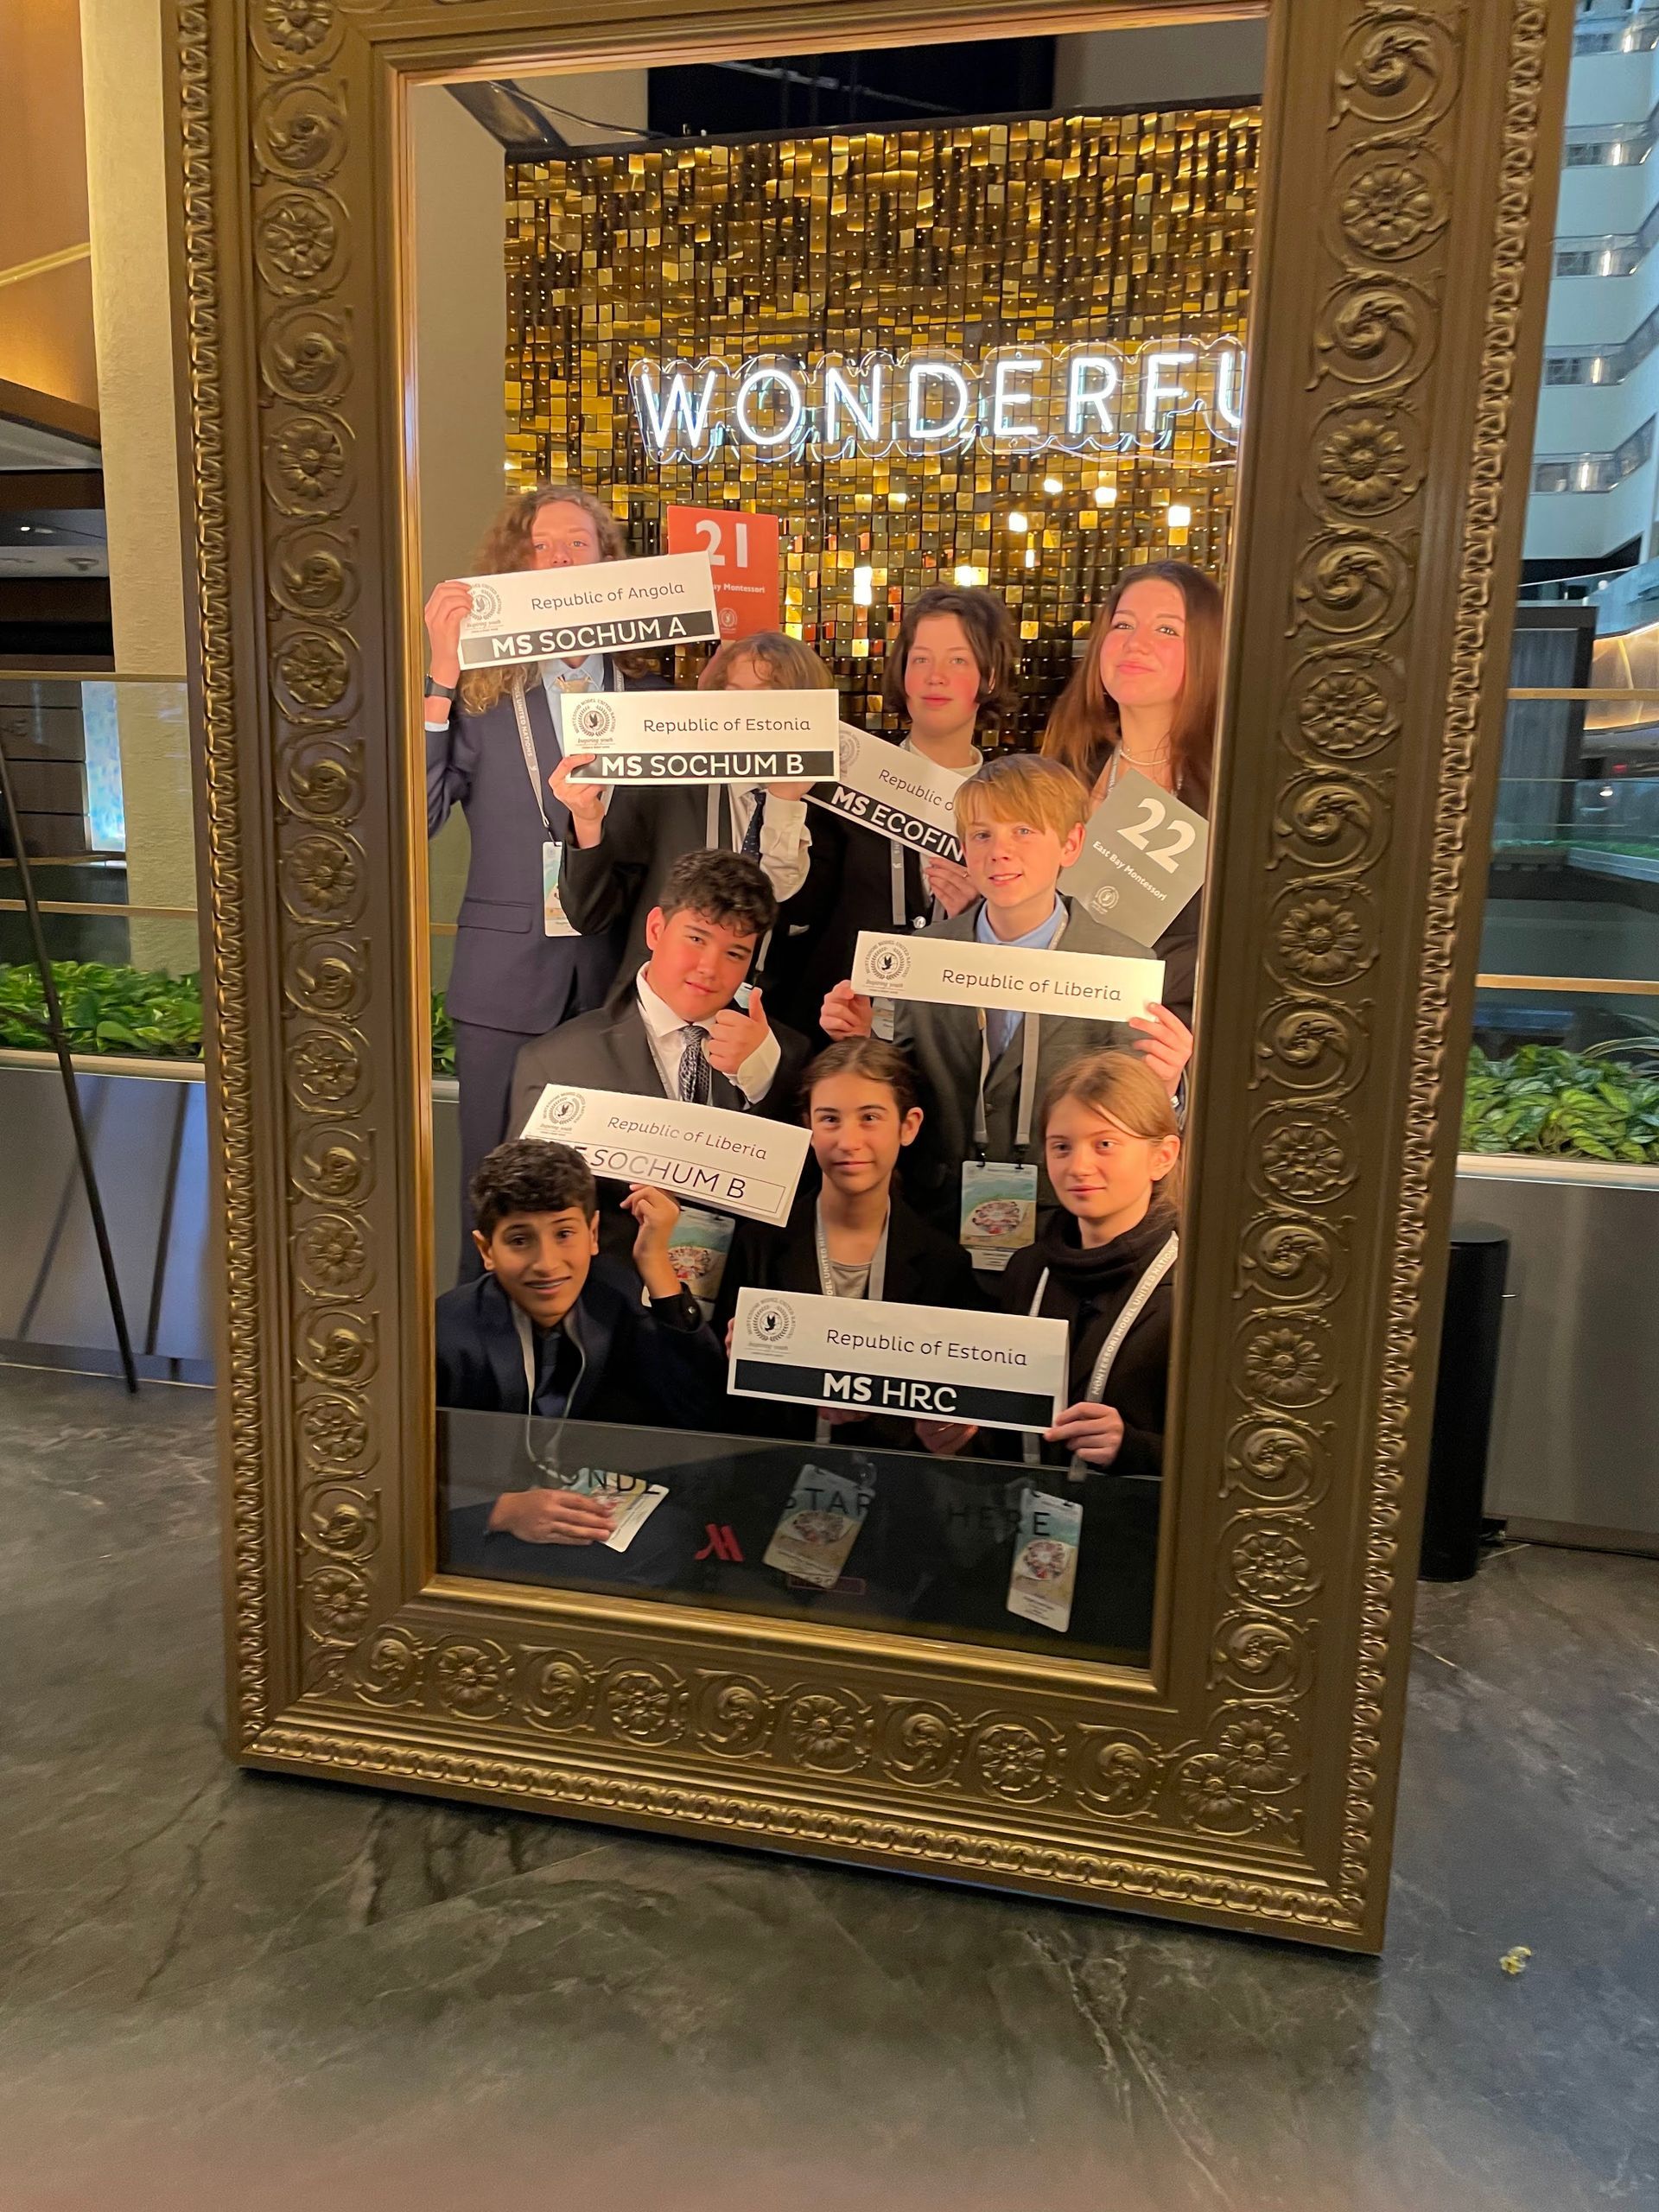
pixel 1112 1148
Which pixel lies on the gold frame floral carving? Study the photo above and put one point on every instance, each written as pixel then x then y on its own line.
pixel 1247 1780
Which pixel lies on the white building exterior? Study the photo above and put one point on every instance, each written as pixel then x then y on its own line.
pixel 1595 482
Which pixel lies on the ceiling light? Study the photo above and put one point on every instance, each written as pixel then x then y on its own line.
pixel 1105 495
pixel 1019 522
pixel 1053 487
pixel 1180 516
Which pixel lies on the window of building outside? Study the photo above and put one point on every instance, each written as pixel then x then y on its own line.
pixel 1566 1019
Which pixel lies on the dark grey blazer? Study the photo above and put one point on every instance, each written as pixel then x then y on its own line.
pixel 610 1051
pixel 943 1042
pixel 507 975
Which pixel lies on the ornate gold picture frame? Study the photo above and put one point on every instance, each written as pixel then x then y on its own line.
pixel 1246 1780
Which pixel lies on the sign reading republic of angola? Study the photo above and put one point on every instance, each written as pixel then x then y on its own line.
pixel 700 737
pixel 611 607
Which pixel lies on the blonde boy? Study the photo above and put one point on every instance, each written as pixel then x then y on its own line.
pixel 1021 820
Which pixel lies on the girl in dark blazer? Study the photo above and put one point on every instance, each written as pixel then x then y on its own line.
pixel 852 1235
pixel 511 980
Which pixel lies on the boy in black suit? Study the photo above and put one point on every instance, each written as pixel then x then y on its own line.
pixel 551 1330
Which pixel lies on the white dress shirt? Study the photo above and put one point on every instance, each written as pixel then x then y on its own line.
pixel 665 1033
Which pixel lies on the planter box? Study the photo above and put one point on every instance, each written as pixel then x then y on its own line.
pixel 1575 1438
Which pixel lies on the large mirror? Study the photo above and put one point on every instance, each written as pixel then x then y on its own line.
pixel 931 356
pixel 844 668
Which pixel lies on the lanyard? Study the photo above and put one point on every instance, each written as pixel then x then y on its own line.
pixel 1030 1043
pixel 547 1464
pixel 878 1259
pixel 527 746
pixel 1156 1268
pixel 877 1287
pixel 901 890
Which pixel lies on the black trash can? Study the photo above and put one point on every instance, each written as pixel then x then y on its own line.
pixel 1454 1517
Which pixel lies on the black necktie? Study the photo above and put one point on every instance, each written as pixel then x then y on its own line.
pixel 696 1084
pixel 750 847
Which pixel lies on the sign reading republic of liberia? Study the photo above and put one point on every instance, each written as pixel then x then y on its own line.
pixel 609 607
pixel 702 1155
pixel 700 737
pixel 1100 986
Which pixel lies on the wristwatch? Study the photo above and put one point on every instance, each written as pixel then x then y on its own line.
pixel 441 690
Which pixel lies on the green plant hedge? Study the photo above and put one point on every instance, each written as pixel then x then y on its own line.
pixel 1574 1105
pixel 135 1013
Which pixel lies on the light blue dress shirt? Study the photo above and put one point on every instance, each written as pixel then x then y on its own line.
pixel 589 675
pixel 1000 1022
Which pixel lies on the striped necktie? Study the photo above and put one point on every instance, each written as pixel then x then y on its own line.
pixel 696 1082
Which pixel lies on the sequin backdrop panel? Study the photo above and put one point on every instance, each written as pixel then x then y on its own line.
pixel 1114 230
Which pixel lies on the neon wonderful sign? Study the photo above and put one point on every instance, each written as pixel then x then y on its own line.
pixel 1084 399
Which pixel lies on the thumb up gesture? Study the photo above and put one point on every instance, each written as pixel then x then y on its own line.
pixel 733 1035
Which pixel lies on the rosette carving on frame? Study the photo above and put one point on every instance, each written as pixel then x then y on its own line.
pixel 1284 1360
pixel 1020 1759
pixel 827 1730
pixel 1301 1157
pixel 299 242
pixel 292 34
pixel 471 1677
pixel 1389 203
pixel 1344 706
pixel 326 1072
pixel 1267 1561
pixel 331 1257
pixel 1244 1784
pixel 309 472
pixel 1324 934
pixel 324 877
pixel 1367 459
pixel 335 1435
pixel 644 1703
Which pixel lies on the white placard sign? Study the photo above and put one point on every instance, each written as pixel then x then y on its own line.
pixel 608 606
pixel 1143 857
pixel 1089 986
pixel 903 796
pixel 701 737
pixel 1007 1370
pixel 704 1155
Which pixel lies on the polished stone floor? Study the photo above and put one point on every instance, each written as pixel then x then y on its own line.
pixel 228 1990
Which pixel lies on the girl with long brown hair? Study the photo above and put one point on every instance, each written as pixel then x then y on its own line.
pixel 492 746
pixel 1144 695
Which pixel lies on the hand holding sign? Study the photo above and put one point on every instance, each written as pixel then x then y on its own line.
pixel 585 801
pixel 733 1035
pixel 1166 1046
pixel 845 1014
pixel 656 1214
pixel 447 608
pixel 1094 1433
pixel 950 884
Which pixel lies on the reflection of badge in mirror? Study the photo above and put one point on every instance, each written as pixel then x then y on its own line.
pixel 594 718
pixel 486 602
pixel 771 1325
pixel 563 1112
pixel 1102 900
pixel 889 965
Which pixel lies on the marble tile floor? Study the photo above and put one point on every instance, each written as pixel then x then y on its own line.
pixel 229 1991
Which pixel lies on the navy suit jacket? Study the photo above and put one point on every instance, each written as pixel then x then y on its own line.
pixel 507 973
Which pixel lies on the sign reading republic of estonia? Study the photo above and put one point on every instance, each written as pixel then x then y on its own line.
pixel 879 1357
pixel 701 737
pixel 609 607
pixel 1098 986
pixel 703 1155
pixel 899 795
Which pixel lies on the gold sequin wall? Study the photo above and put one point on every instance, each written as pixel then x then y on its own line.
pixel 1118 232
